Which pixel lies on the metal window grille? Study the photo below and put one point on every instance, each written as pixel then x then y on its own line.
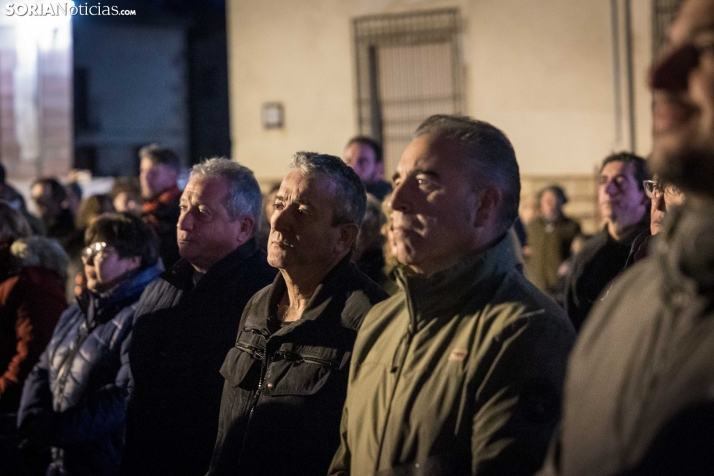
pixel 408 68
pixel 663 14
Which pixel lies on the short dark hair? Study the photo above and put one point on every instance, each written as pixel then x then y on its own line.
pixel 488 154
pixel 350 195
pixel 371 143
pixel 57 191
pixel 128 234
pixel 160 155
pixel 639 165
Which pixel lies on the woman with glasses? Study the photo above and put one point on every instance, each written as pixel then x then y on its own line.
pixel 74 401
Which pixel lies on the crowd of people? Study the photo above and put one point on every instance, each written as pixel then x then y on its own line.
pixel 344 324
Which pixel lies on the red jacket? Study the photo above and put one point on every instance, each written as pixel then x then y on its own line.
pixel 30 305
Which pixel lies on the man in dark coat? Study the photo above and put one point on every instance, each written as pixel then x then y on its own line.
pixel 187 320
pixel 624 207
pixel 158 173
pixel 286 376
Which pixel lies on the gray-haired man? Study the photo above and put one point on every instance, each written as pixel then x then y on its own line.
pixel 286 376
pixel 186 321
pixel 461 371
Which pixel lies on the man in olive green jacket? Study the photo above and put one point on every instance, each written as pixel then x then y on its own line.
pixel 460 372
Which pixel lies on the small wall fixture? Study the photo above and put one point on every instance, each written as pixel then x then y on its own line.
pixel 273 115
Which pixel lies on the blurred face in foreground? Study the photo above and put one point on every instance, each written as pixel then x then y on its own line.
pixel 683 102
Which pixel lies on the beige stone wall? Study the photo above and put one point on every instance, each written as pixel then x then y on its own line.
pixel 542 71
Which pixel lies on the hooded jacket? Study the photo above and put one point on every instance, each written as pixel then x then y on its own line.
pixel 459 373
pixel 285 386
pixel 75 398
pixel 31 301
pixel 639 387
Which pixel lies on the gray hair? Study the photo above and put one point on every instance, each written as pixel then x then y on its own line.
pixel 42 252
pixel 244 197
pixel 350 195
pixel 488 154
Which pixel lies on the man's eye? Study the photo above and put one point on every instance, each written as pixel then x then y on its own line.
pixel 183 208
pixel 278 205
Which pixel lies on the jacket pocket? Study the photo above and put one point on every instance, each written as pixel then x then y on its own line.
pixel 296 374
pixel 241 367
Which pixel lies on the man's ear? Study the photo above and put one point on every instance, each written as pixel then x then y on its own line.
pixel 348 237
pixel 489 202
pixel 245 229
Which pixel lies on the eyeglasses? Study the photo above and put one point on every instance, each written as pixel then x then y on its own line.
pixel 655 189
pixel 95 250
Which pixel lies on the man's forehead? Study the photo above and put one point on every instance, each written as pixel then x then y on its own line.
pixel 205 188
pixel 298 186
pixel 429 151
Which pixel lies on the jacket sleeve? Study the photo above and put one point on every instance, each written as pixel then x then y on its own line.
pixel 341 462
pixel 519 395
pixel 36 401
pixel 101 412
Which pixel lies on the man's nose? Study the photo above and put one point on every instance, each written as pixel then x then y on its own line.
pixel 659 203
pixel 280 220
pixel 401 200
pixel 185 221
pixel 611 188
pixel 671 73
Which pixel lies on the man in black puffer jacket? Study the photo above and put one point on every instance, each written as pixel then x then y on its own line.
pixel 187 320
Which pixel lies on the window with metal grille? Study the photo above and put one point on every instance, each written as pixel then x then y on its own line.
pixel 408 68
pixel 663 14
